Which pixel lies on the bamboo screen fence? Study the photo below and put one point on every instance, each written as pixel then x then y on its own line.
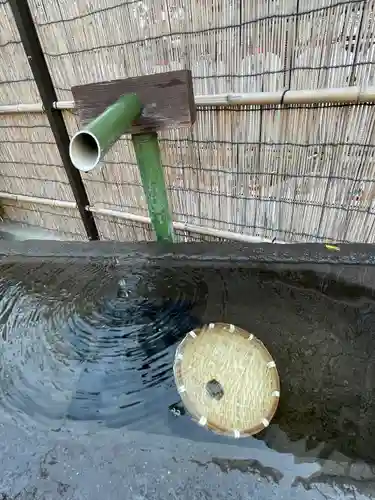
pixel 295 169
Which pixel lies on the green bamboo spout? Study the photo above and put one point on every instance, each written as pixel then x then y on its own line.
pixel 89 145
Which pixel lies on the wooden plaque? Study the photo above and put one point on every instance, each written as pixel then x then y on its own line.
pixel 167 98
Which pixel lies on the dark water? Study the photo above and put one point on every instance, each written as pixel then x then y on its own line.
pixel 89 346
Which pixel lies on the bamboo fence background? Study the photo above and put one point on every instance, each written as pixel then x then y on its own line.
pixel 290 172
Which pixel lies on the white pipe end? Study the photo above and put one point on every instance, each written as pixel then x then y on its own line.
pixel 84 151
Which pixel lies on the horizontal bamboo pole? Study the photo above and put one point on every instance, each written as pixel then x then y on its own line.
pixel 21 198
pixel 141 219
pixel 219 233
pixel 189 228
pixel 64 105
pixel 306 96
pixel 182 226
pixel 21 108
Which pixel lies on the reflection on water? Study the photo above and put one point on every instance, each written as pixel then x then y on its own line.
pixel 93 343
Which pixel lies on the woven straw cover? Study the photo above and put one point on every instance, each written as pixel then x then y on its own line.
pixel 227 379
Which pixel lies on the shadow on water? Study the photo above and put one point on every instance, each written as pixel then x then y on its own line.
pixel 89 344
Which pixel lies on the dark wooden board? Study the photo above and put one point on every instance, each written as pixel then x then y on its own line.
pixel 168 99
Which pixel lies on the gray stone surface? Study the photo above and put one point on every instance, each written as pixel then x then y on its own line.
pixel 138 466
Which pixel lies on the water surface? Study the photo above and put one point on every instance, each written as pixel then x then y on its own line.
pixel 88 347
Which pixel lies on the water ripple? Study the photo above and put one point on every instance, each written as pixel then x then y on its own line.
pixel 90 349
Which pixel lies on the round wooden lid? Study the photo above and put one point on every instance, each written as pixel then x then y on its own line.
pixel 227 379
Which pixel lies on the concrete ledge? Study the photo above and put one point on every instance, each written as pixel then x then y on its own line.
pixel 196 253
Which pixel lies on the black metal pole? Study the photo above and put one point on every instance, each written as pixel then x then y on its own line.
pixel 38 65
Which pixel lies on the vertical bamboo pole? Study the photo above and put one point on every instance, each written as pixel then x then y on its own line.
pixel 147 152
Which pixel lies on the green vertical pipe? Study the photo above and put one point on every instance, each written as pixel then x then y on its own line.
pixel 147 152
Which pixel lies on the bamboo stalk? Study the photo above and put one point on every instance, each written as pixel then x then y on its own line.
pixel 305 96
pixel 89 145
pixel 21 108
pixel 181 226
pixel 150 166
pixel 142 219
pixel 64 105
pixel 40 201
pixel 218 233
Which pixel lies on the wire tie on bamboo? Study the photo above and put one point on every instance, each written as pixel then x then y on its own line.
pixel 283 96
